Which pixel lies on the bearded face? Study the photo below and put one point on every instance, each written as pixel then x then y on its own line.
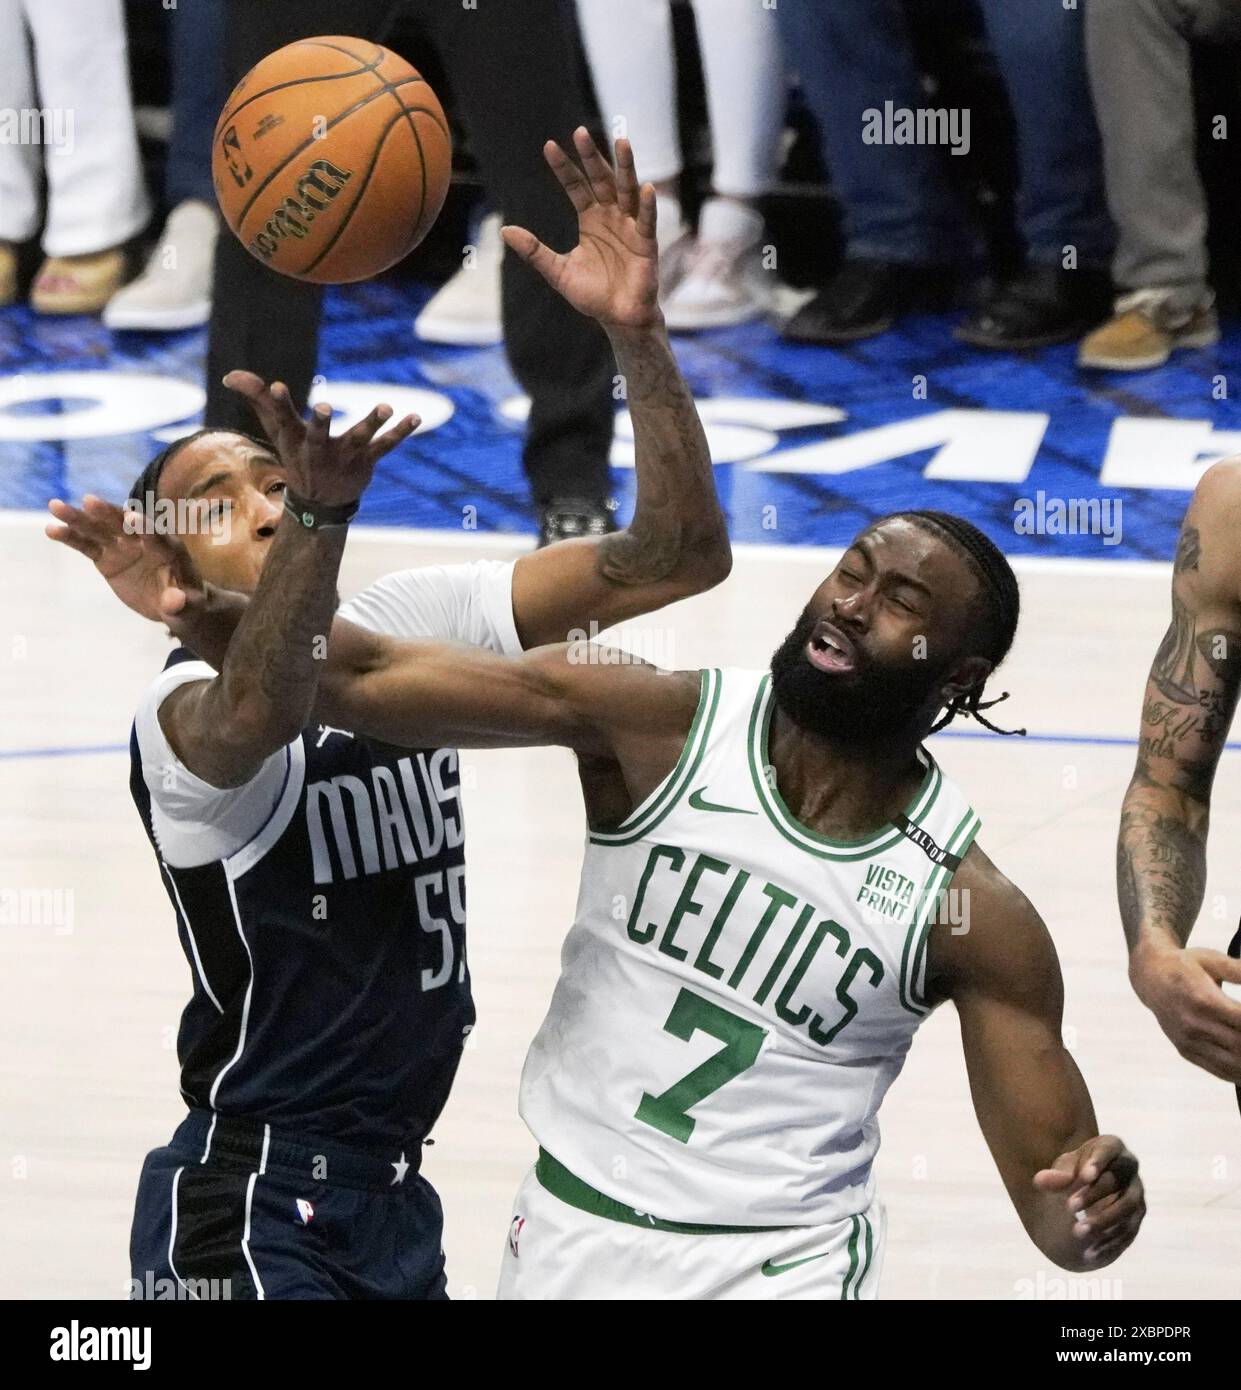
pixel 832 684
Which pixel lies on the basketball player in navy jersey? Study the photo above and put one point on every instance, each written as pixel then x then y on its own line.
pixel 1187 710
pixel 317 875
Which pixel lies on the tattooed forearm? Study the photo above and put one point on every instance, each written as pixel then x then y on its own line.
pixel 1173 667
pixel 1190 699
pixel 1160 864
pixel 275 658
pixel 677 523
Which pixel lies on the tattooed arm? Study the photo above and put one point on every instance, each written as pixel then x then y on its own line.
pixel 223 729
pixel 1191 695
pixel 677 542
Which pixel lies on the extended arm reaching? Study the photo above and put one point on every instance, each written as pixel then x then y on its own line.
pixel 677 543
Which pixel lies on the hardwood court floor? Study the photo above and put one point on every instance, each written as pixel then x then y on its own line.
pixel 88 1016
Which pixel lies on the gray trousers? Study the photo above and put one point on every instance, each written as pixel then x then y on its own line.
pixel 1138 56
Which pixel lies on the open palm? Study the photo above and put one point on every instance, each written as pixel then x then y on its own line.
pixel 150 573
pixel 612 274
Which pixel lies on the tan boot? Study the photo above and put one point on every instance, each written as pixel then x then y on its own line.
pixel 1144 333
pixel 78 284
pixel 8 273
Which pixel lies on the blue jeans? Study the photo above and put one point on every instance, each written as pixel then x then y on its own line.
pixel 853 56
pixel 198 93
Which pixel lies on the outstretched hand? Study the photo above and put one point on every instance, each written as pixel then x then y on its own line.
pixel 150 573
pixel 321 468
pixel 612 274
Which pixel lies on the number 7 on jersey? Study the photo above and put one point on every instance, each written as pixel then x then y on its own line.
pixel 742 1040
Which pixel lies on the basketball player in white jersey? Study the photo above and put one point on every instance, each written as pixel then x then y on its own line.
pixel 759 935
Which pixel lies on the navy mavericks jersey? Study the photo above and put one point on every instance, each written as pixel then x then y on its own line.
pixel 331 991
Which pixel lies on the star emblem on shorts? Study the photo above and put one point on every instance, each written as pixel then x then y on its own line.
pixel 401 1169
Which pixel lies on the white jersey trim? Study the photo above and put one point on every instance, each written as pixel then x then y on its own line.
pixel 189 931
pixel 245 1008
pixel 645 817
pixel 806 839
pixel 244 859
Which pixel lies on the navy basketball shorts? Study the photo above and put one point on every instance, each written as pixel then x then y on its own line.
pixel 233 1209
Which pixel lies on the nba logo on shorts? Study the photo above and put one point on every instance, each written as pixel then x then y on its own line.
pixel 305 1212
pixel 514 1234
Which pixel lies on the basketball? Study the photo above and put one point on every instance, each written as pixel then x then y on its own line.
pixel 331 159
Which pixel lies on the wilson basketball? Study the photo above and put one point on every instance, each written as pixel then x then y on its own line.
pixel 331 159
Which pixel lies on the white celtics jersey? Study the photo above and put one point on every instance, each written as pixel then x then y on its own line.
pixel 738 992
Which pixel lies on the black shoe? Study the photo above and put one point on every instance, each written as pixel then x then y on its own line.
pixel 563 518
pixel 864 298
pixel 1044 305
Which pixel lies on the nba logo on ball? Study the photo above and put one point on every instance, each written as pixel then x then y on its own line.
pixel 305 1211
pixel 331 159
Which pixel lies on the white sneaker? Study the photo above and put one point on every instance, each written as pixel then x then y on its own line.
pixel 174 289
pixel 674 240
pixel 466 311
pixel 723 281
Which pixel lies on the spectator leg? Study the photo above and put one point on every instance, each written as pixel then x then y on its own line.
pixel 1141 73
pixel 19 160
pixel 633 64
pixel 743 68
pixel 517 82
pixel 1040 48
pixel 199 88
pixel 852 56
pixel 95 195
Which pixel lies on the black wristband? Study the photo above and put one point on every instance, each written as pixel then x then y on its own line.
pixel 317 516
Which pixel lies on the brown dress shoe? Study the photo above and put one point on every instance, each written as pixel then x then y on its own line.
pixel 8 273
pixel 1145 331
pixel 78 284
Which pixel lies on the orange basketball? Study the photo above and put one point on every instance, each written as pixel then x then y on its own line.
pixel 331 159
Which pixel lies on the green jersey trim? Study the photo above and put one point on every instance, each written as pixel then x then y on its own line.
pixel 555 1178
pixel 861 1252
pixel 643 819
pixel 913 957
pixel 802 836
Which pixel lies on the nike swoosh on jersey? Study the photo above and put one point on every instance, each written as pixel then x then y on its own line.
pixel 700 803
pixel 769 1269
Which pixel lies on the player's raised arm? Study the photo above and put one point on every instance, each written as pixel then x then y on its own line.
pixel 1076 1192
pixel 223 729
pixel 1191 696
pixel 677 543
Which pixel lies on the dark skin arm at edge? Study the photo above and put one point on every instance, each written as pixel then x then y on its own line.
pixel 1188 707
pixel 1032 1104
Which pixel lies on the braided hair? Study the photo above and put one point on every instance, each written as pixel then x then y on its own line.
pixel 999 605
